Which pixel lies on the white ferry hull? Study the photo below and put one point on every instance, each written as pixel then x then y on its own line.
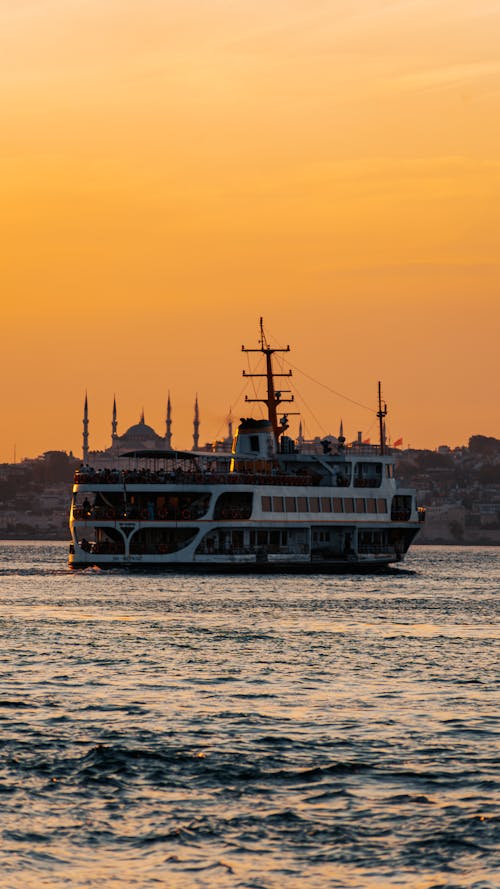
pixel 241 566
pixel 258 561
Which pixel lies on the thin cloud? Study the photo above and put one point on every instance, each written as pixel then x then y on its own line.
pixel 449 75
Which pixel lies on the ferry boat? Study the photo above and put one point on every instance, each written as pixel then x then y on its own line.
pixel 268 506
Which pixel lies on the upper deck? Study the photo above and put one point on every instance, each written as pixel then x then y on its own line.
pixel 359 470
pixel 160 478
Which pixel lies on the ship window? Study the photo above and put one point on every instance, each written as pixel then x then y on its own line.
pixel 150 507
pixel 401 507
pixel 371 504
pixel 381 504
pixel 314 504
pixel 223 541
pixel 290 504
pixel 159 541
pixel 237 539
pixel 349 504
pixel 343 473
pixel 370 541
pixel 368 475
pixel 267 504
pixel 277 504
pixel 326 504
pixel 254 443
pixel 360 504
pixel 108 541
pixel 302 504
pixel 233 505
pixel 98 506
pixel 338 504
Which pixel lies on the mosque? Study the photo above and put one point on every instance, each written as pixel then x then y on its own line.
pixel 141 437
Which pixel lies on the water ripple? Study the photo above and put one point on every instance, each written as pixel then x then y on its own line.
pixel 249 732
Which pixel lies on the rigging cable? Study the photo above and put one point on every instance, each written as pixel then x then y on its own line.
pixel 282 363
pixel 329 388
pixel 332 391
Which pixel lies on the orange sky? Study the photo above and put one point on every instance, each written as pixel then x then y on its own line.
pixel 171 171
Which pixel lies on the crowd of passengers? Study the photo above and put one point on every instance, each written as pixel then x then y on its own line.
pixel 174 509
pixel 86 475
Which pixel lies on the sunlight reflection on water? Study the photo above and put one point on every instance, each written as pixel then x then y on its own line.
pixel 185 731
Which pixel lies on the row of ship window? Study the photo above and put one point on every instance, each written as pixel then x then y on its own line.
pixel 372 505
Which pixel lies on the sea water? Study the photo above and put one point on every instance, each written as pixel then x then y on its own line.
pixel 212 731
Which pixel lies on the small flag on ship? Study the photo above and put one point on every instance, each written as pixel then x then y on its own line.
pixel 398 443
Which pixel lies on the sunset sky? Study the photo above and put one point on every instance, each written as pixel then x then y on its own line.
pixel 173 169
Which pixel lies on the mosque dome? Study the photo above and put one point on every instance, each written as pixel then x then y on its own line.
pixel 139 430
pixel 140 435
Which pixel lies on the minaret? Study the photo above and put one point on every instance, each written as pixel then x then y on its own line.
pixel 300 439
pixel 168 432
pixel 114 423
pixel 341 438
pixel 230 425
pixel 196 425
pixel 85 430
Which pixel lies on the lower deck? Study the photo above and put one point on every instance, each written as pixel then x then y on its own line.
pixel 264 547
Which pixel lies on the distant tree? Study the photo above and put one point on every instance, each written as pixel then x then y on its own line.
pixel 407 471
pixel 50 468
pixel 433 460
pixel 484 445
pixel 58 466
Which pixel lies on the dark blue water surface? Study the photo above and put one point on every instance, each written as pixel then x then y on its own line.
pixel 186 731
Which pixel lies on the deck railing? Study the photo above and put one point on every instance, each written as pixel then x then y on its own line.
pixel 133 477
pixel 98 513
pixel 145 477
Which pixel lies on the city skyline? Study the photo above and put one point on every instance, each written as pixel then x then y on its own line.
pixel 106 441
pixel 171 174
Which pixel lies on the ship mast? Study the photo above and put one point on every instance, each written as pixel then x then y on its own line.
pixel 381 413
pixel 274 396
